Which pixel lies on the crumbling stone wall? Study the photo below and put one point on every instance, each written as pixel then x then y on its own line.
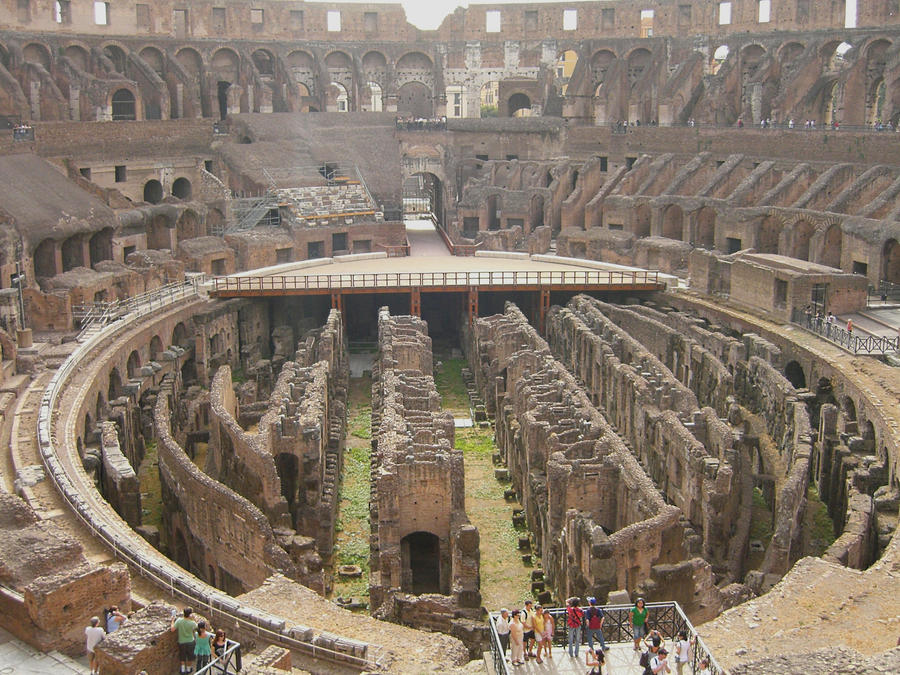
pixel 121 486
pixel 417 490
pixel 599 522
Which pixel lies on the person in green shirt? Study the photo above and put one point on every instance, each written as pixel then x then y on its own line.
pixel 185 627
pixel 638 616
pixel 202 645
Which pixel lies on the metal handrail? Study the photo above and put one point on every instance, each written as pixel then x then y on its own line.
pixel 858 344
pixel 178 583
pixel 667 617
pixel 325 282
pixel 222 665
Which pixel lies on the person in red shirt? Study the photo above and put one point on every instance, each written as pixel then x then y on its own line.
pixel 574 617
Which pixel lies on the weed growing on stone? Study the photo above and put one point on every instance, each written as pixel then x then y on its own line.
pixel 449 382
pixel 361 423
pixel 151 490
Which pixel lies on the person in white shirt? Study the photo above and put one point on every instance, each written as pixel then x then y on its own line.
pixel 704 667
pixel 682 651
pixel 502 624
pixel 93 635
pixel 659 664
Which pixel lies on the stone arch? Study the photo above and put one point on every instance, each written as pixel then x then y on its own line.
pixel 890 261
pixel 156 348
pixel 801 232
pixel 190 60
pixel 536 212
pixel 114 387
pixel 180 335
pixel 158 230
pixel 769 233
pixel 101 245
pixel 719 56
pixel 78 56
pixel 790 52
pixel 155 59
pixel 215 219
pixel 832 246
pixel 673 222
pixel 117 57
pixel 414 61
pixel 339 60
pixel 793 371
pixel 153 191
pixel 123 105
pixel 188 226
pixel 834 53
pixel 848 408
pixel 867 431
pixel 876 51
pixel 706 228
pixel 264 61
pixel 601 62
pixel 73 252
pixel 875 98
pixel 414 98
pixel 374 65
pixel 133 366
pixel 338 100
pixel 372 100
pixel 226 64
pixel 519 105
pixel 44 258
pixel 421 558
pixel 35 52
pixel 638 61
pixel 182 188
pixel 642 216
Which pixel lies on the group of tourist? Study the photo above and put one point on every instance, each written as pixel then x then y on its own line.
pixel 421 124
pixel 520 630
pixel 196 643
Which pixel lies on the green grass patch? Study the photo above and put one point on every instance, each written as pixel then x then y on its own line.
pixel 450 385
pixel 761 519
pixel 151 489
pixel 361 423
pixel 818 524
pixel 476 443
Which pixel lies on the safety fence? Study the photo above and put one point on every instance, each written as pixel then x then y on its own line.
pixel 848 339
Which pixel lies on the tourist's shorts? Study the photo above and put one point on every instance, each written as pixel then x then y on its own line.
pixel 639 632
pixel 185 651
pixel 529 635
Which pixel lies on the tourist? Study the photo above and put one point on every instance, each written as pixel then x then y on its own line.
pixel 594 616
pixel 202 645
pixel 850 327
pixel 653 639
pixel 659 663
pixel 114 619
pixel 704 665
pixel 538 623
pixel 638 617
pixel 574 617
pixel 547 634
pixel 502 626
pixel 808 313
pixel 595 660
pixel 220 644
pixel 185 627
pixel 516 640
pixel 682 651
pixel 94 634
pixel 527 617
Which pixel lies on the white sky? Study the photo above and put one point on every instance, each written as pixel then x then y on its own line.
pixel 428 14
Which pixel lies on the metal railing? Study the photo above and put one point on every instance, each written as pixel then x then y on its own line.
pixel 107 526
pixel 461 280
pixel 849 340
pixel 666 617
pixel 887 291
pixel 226 663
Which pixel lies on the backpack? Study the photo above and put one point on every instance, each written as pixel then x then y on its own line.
pixel 105 620
pixel 645 659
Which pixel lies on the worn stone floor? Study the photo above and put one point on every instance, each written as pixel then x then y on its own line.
pixel 621 659
pixel 18 658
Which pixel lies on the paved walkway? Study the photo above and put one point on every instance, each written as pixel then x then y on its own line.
pixel 621 659
pixel 424 239
pixel 17 657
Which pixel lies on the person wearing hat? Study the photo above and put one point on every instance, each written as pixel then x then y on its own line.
pixel 501 623
pixel 659 664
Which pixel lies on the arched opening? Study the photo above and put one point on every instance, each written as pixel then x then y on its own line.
pixel 536 212
pixel 37 53
pixel 836 54
pixel 222 88
pixel 154 58
pixel 156 348
pixel 490 98
pixel 890 261
pixel 73 253
pixel 830 103
pixel 181 553
pixel 116 56
pixel 100 245
pixel 565 66
pixel 414 98
pixel 181 188
pixel 719 56
pixel 153 191
pixel 875 102
pixel 158 235
pixel 264 62
pixel 100 407
pixel 769 231
pixel 803 232
pixel 190 60
pixel 134 365
pixel 519 105
pixel 638 63
pixel 793 371
pixel 180 335
pixel 288 467
pixel 867 431
pixel 45 259
pixel 673 223
pixel 848 408
pixel 371 98
pixel 114 387
pixel 338 99
pixel 215 220
pixel 188 226
pixel 423 194
pixel 832 247
pixel 642 220
pixel 421 555
pixel 790 52
pixel 706 228
pixel 123 107
pixel 78 57
pixel 600 65
pixel 493 212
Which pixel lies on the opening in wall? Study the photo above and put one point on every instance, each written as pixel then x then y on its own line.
pixel 860 268
pixel 733 244
pixel 492 21
pixel 781 289
pixel 121 173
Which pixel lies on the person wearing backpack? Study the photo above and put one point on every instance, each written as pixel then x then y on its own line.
pixel 594 617
pixel 574 617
